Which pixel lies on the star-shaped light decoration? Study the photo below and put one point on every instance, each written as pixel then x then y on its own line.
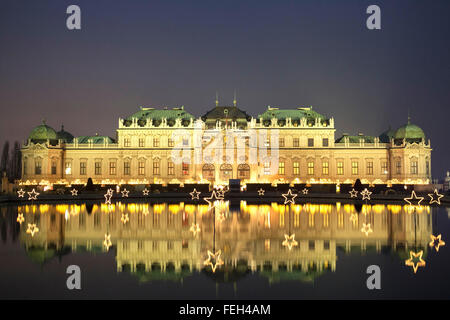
pixel 213 260
pixel 436 242
pixel 108 197
pixel 415 260
pixel 32 229
pixel 353 193
pixel 289 197
pixel 74 192
pixel 366 228
pixel 211 200
pixel 110 191
pixel 20 218
pixel 261 192
pixel 125 193
pixel 20 193
pixel 221 193
pixel 435 197
pixel 145 192
pixel 366 194
pixel 33 195
pixel 125 218
pixel 305 191
pixel 289 241
pixel 414 200
pixel 107 242
pixel 195 194
pixel 195 229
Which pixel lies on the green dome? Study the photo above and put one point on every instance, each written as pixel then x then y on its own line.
pixel 64 135
pixel 387 135
pixel 43 133
pixel 409 131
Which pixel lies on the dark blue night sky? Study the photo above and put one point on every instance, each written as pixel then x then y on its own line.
pixel 279 53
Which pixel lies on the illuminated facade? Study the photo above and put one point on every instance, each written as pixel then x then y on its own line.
pixel 172 146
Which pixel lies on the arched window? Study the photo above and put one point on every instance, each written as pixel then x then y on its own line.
pixel 208 171
pixel 243 171
pixel 226 171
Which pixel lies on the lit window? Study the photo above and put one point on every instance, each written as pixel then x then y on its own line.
pixel 354 167
pixel 155 142
pixel 185 168
pixel 170 168
pixel 340 168
pixel 141 142
pixel 310 167
pixel 53 167
pixel 156 170
pixel 68 168
pixel 296 143
pixel 126 142
pixel 112 168
pixel 384 167
pixel 281 142
pixel 296 168
pixel 171 143
pixel 325 168
pixel 281 168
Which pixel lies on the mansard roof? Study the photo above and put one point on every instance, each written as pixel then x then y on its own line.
pixel 294 114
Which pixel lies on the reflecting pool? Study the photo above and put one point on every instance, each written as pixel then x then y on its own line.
pixel 190 251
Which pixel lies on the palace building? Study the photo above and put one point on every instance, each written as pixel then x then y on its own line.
pixel 170 145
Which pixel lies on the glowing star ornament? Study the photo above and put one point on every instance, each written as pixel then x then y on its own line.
pixel 125 193
pixel 107 242
pixel 366 194
pixel 195 229
pixel 289 197
pixel 32 229
pixel 110 191
pixel 305 191
pixel 366 228
pixel 108 197
pixel 261 192
pixel 74 192
pixel 20 219
pixel 353 193
pixel 195 194
pixel 211 200
pixel 33 195
pixel 414 200
pixel 221 194
pixel 125 218
pixel 415 260
pixel 145 192
pixel 436 242
pixel 20 193
pixel 289 241
pixel 213 260
pixel 435 197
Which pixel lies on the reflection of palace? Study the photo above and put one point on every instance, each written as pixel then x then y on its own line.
pixel 157 239
pixel 308 150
